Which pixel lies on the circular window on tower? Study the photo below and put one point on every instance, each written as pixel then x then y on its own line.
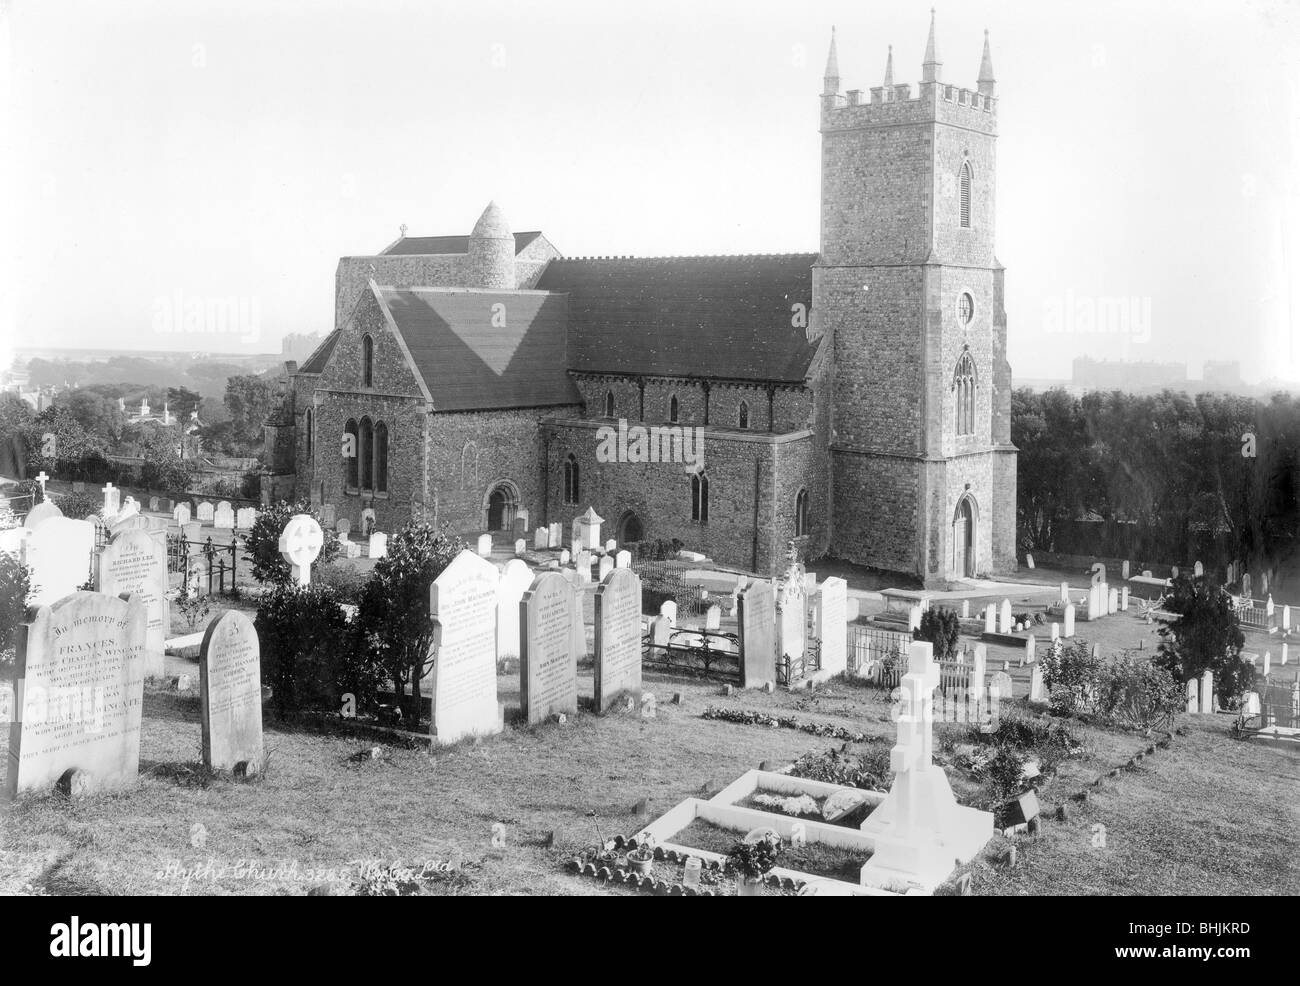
pixel 965 308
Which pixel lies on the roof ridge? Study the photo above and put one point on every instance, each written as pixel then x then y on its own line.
pixel 692 256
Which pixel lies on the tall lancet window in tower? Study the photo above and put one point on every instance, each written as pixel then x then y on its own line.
pixel 572 491
pixel 609 403
pixel 965 194
pixel 963 386
pixel 367 361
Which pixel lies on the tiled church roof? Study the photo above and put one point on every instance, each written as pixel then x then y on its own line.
pixel 688 316
pixel 315 363
pixel 467 362
pixel 447 244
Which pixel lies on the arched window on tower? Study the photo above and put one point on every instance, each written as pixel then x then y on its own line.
pixel 964 388
pixel 381 458
pixel 609 403
pixel 700 497
pixel 743 415
pixel 365 453
pixel 350 455
pixel 572 490
pixel 672 409
pixel 367 361
pixel 965 194
pixel 801 514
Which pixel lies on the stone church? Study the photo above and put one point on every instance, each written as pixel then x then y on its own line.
pixel 855 400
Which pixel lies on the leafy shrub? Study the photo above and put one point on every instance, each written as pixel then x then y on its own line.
pixel 1048 740
pixel 1206 636
pixel 1134 692
pixel 752 860
pixel 262 543
pixel 15 586
pixel 192 605
pixel 80 505
pixel 346 581
pixel 941 628
pixel 250 487
pixel 1070 675
pixel 659 549
pixel 869 771
pixel 308 651
pixel 1002 773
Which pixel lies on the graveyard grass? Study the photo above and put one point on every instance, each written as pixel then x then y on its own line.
pixel 1208 815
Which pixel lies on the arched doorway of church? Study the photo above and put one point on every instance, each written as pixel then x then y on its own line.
pixel 963 539
pixel 502 502
pixel 630 529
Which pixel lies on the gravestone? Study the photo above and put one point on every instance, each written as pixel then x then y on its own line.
pixel 1123 599
pixel 328 514
pixel 516 577
pixel 623 559
pixel 1268 663
pixel 668 608
pixel 756 622
pixel 1123 569
pixel 1056 632
pixel 1065 592
pixel 245 518
pixel 1031 648
pixel 462 604
pixel 1004 617
pixel 548 669
pixel 1029 560
pixel 378 545
pixel 223 517
pixel 913 617
pixel 1198 570
pixel 587 529
pixel 1207 692
pixel 1037 692
pixel 554 535
pixel 539 539
pixel 343 527
pixel 660 631
pixel 136 563
pixel 165 505
pixel 1286 619
pixel 618 639
pixel 1112 601
pixel 1068 631
pixel 205 512
pixel 606 566
pixel 192 530
pixel 713 617
pixel 965 609
pixel 59 554
pixel 153 503
pixel 112 500
pixel 1173 571
pixel 81 664
pixel 300 544
pixel 521 547
pixel 990 618
pixel 1193 696
pixel 519 526
pixel 564 556
pixel 41 512
pixel 1000 686
pixel 791 617
pixel 181 514
pixel 832 626
pixel 230 691
pixel 1284 655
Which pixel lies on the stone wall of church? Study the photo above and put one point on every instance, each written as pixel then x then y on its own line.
pixel 877 510
pixel 753 483
pixel 791 405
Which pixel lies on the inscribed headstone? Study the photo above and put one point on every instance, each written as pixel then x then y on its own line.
pixel 618 638
pixel 462 604
pixel 230 690
pixel 548 669
pixel 756 620
pixel 135 562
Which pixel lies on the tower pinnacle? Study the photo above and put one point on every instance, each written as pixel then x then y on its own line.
pixel 831 77
pixel 931 66
pixel 889 69
pixel 986 80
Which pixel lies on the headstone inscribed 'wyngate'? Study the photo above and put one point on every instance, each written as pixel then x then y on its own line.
pixel 832 626
pixel 58 552
pixel 462 602
pixel 548 667
pixel 756 619
pixel 230 687
pixel 81 664
pixel 136 563
pixel 618 638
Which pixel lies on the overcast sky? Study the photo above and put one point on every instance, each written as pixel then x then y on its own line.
pixel 166 152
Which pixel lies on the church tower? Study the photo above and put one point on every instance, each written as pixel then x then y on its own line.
pixel 923 472
pixel 492 251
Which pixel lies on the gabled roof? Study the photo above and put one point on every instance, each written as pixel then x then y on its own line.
pixel 731 317
pixel 315 363
pixel 409 245
pixel 469 363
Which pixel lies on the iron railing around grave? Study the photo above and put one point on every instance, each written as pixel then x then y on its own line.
pixel 207 568
pixel 710 654
pixel 664 580
pixel 1256 617
pixel 1279 705
pixel 792 669
pixel 880 655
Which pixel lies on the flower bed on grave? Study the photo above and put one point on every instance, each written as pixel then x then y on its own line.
pixel 668 873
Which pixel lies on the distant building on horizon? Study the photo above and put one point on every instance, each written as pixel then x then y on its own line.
pixel 1132 375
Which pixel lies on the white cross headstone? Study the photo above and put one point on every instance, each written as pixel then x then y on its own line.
pixel 42 479
pixel 112 500
pixel 300 545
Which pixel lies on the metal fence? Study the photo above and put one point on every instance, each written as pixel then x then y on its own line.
pixel 207 568
pixel 1279 705
pixel 1256 617
pixel 710 654
pixel 664 580
pixel 880 655
pixel 790 670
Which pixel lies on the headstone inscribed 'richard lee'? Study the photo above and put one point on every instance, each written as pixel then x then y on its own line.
pixel 618 638
pixel 548 667
pixel 135 562
pixel 462 601
pixel 230 684
pixel 81 664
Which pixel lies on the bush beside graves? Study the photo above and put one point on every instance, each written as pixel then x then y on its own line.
pixel 80 505
pixel 14 589
pixel 1133 692
pixel 308 655
pixel 1206 636
pixel 941 628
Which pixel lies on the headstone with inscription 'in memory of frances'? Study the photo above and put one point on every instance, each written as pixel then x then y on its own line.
pixel 81 664
pixel 136 562
pixel 618 639
pixel 59 553
pixel 515 580
pixel 462 604
pixel 548 666
pixel 756 621
pixel 230 689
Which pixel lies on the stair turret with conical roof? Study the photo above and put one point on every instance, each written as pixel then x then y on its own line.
pixel 492 251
